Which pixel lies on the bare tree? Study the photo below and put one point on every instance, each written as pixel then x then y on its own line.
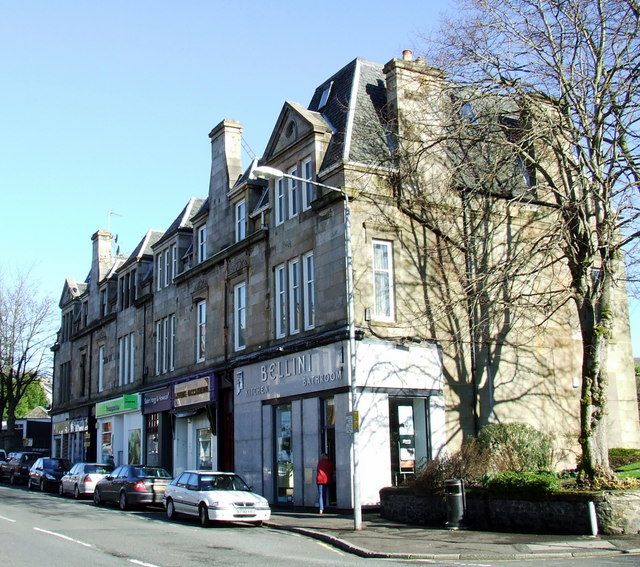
pixel 25 340
pixel 572 69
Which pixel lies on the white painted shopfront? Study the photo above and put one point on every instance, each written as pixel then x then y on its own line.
pixel 289 409
pixel 119 424
pixel 195 441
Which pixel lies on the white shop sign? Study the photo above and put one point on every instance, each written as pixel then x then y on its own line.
pixel 196 391
pixel 312 370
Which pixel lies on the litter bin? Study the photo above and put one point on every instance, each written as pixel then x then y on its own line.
pixel 454 491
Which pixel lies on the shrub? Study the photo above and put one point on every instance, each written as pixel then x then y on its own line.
pixel 470 464
pixel 516 447
pixel 619 457
pixel 523 484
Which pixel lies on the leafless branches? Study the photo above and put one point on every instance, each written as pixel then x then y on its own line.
pixel 25 340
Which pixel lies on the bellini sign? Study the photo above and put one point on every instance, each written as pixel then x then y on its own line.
pixel 316 369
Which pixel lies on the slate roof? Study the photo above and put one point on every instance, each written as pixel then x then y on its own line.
pixel 144 247
pixel 356 111
pixel 201 211
pixel 246 176
pixel 183 220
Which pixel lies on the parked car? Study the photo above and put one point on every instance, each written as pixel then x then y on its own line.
pixel 131 485
pixel 3 455
pixel 46 473
pixel 82 478
pixel 16 469
pixel 215 496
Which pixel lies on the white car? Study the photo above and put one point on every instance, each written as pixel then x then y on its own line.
pixel 215 496
pixel 82 478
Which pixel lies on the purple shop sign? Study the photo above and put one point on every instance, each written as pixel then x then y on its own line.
pixel 156 400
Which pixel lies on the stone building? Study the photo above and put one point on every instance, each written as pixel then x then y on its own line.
pixel 233 341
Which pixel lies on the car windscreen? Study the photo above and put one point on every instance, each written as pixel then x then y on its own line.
pixel 98 469
pixel 56 464
pixel 222 482
pixel 151 472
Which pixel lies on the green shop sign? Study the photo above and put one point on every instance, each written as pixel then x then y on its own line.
pixel 128 402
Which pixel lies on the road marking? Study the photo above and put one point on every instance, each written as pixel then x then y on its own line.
pixel 329 547
pixel 142 563
pixel 61 536
pixel 7 519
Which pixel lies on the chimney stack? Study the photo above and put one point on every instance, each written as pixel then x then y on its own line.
pixel 102 261
pixel 407 55
pixel 226 157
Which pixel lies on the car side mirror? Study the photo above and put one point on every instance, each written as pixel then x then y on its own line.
pixel 108 477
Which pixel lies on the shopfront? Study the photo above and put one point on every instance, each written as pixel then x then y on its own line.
pixel 290 409
pixel 194 414
pixel 158 435
pixel 60 434
pixel 72 438
pixel 119 428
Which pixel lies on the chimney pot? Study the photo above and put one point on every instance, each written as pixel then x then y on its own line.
pixel 407 55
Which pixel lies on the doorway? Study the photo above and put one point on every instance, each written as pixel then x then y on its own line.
pixel 284 454
pixel 328 440
pixel 409 436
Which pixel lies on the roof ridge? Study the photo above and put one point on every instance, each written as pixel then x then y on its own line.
pixel 353 96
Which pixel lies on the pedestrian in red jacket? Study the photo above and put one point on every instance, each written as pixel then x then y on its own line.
pixel 324 474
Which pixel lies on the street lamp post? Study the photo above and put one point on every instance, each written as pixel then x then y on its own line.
pixel 266 172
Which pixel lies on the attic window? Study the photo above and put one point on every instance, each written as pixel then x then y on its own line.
pixel 468 113
pixel 290 132
pixel 326 91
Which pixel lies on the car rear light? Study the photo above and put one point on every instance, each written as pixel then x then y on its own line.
pixel 87 478
pixel 140 486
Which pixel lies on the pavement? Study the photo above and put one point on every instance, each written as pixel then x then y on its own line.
pixel 382 538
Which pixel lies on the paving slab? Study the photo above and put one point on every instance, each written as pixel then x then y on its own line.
pixel 384 538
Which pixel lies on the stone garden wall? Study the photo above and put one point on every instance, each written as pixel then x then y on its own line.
pixel 616 512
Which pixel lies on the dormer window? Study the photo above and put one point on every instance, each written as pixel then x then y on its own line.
pixel 168 276
pixel 308 193
pixel 526 173
pixel 103 302
pixel 166 266
pixel 202 244
pixel 324 97
pixel 159 272
pixel 127 285
pixel 174 260
pixel 294 193
pixel 468 113
pixel 279 198
pixel 241 220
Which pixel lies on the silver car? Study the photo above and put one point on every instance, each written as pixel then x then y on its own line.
pixel 215 496
pixel 82 478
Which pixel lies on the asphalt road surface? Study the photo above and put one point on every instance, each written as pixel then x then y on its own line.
pixel 45 530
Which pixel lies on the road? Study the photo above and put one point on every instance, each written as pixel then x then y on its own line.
pixel 47 530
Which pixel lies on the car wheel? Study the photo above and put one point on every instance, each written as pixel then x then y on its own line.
pixel 96 497
pixel 76 492
pixel 42 486
pixel 171 510
pixel 122 501
pixel 60 490
pixel 203 515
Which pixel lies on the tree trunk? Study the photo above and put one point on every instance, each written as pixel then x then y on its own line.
pixel 595 326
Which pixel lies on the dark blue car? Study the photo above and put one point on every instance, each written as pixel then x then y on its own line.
pixel 46 473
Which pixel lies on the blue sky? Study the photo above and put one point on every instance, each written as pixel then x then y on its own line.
pixel 108 106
